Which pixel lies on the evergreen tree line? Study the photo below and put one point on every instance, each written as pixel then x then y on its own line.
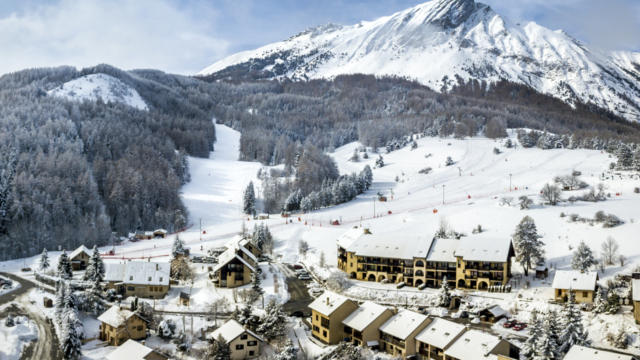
pixel 73 172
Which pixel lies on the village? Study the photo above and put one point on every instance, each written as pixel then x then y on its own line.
pixel 406 282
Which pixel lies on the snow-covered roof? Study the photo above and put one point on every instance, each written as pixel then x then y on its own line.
pixel 231 330
pixel 390 245
pixel 473 344
pixel 443 250
pixel 345 240
pixel 115 316
pixel 496 311
pixel 138 273
pixel 402 324
pixel 483 248
pixel 233 253
pixel 635 289
pixel 78 251
pixel 575 280
pixel 328 302
pixel 440 333
pixel 130 350
pixel 160 231
pixel 364 315
pixel 578 352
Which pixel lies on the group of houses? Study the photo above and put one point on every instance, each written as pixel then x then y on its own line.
pixel 472 262
pixel 404 333
pixel 148 235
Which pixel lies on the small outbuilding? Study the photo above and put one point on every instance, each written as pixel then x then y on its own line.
pixel 184 298
pixel 492 314
pixel 542 272
pixel 80 258
pixel 581 284
pixel 160 233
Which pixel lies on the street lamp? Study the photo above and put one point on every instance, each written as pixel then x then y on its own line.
pixel 443 194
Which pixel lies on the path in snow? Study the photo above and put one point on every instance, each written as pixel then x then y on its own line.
pixel 215 191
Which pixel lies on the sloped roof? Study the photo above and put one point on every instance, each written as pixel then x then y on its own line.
pixel 345 240
pixel 364 315
pixel 230 254
pixel 130 350
pixel 473 344
pixel 403 324
pixel 635 288
pixel 484 248
pixel 440 333
pixel 78 251
pixel 443 250
pixel 231 330
pixel 391 245
pixel 575 280
pixel 138 273
pixel 328 302
pixel 578 352
pixel 115 316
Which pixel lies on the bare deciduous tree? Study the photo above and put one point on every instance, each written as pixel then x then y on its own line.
pixel 610 250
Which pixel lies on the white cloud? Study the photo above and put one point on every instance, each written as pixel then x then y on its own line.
pixel 128 34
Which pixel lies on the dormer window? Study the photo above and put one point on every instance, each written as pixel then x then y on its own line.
pixel 160 278
pixel 149 278
pixel 130 278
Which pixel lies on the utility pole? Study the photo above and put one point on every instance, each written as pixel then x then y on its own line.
pixel 443 194
pixel 374 207
pixel 510 182
pixel 200 229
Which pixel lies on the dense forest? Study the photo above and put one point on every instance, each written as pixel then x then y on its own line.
pixel 73 172
pixel 79 172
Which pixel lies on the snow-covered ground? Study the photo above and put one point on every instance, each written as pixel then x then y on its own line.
pixel 15 338
pixel 472 191
pixel 14 285
pixel 100 86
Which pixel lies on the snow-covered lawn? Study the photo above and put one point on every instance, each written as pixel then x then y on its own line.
pixel 8 288
pixel 15 338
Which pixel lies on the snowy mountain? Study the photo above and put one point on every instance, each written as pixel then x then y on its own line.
pixel 94 86
pixel 438 41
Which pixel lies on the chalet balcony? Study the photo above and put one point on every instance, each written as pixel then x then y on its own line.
pixel 392 340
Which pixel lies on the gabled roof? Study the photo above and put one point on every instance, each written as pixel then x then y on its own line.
pixel 578 352
pixel 440 333
pixel 635 289
pixel 160 231
pixel 496 310
pixel 230 254
pixel 364 315
pixel 345 240
pixel 138 273
pixel 115 316
pixel 473 344
pixel 402 324
pixel 443 250
pixel 328 302
pixel 484 248
pixel 575 280
pixel 231 330
pixel 130 350
pixel 78 251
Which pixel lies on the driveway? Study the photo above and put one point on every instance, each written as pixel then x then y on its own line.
pixel 299 298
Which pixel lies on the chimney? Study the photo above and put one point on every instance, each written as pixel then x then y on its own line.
pixel 327 300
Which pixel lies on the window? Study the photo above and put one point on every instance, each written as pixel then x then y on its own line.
pixel 585 294
pixel 139 327
pixel 130 278
pixel 149 278
pixel 251 353
pixel 243 337
pixel 316 317
pixel 252 343
pixel 160 278
pixel 239 347
pixel 324 333
pixel 130 288
pixel 419 263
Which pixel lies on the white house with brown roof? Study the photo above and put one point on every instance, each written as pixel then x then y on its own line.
pixel 361 326
pixel 398 334
pixel 581 284
pixel 243 343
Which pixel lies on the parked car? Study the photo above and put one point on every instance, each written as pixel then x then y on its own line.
pixel 519 326
pixel 297 266
pixel 301 271
pixel 304 277
pixel 509 324
pixel 197 259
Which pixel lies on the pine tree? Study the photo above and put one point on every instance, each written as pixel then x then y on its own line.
pixel 178 247
pixel 289 352
pixel 70 340
pixel 355 157
pixel 64 266
pixel 547 345
pixel 599 304
pixel 249 200
pixel 621 338
pixel 367 175
pixel 527 244
pixel 272 324
pixel 256 286
pixel 219 349
pixel 573 331
pixel 60 299
pixel 535 330
pixel 6 191
pixel 246 317
pixel 306 205
pixel 583 258
pixel 379 161
pixel 44 260
pixel 625 157
pixel 444 297
pixel 95 268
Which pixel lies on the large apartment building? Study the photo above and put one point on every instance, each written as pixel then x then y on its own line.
pixel 474 262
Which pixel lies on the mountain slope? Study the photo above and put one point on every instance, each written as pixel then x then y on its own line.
pixel 441 40
pixel 94 86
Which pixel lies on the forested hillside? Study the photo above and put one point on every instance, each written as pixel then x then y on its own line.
pixel 73 172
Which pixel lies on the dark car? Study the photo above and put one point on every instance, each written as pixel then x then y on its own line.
pixel 519 326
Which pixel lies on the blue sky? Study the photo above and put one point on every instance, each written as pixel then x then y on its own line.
pixel 185 36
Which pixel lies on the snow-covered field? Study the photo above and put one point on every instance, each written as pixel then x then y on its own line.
pixel 472 187
pixel 15 338
pixel 100 86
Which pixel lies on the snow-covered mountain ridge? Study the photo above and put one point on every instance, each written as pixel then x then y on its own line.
pixel 441 40
pixel 94 86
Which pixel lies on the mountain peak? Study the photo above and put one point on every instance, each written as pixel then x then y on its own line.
pixel 447 13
